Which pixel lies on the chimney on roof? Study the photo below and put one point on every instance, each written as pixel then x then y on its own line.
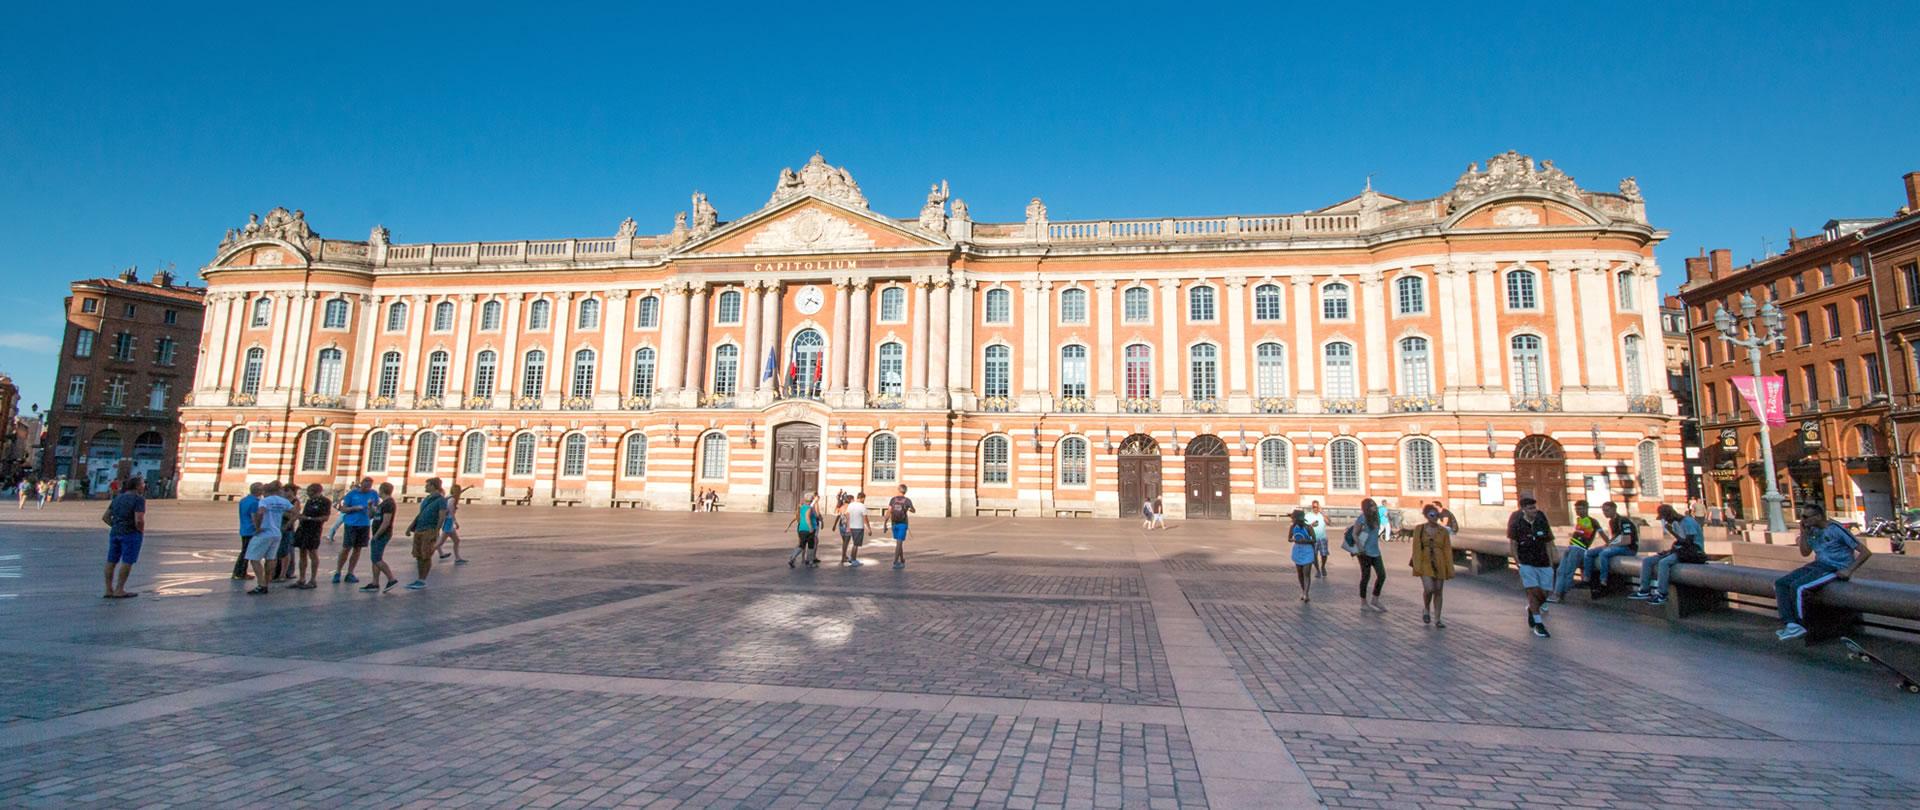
pixel 1698 271
pixel 1913 191
pixel 1722 261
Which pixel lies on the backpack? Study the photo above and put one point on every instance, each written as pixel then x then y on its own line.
pixel 1347 543
pixel 897 510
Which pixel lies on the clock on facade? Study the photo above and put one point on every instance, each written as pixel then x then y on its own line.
pixel 809 300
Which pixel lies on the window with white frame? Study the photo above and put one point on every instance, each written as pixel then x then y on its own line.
pixel 1628 284
pixel 443 316
pixel 237 447
pixel 83 343
pixel 1649 457
pixel 540 315
pixel 588 317
pixel 1421 463
pixel 573 456
pixel 1203 371
pixel 377 451
pixel 1200 304
pixel 726 370
pixel 643 372
pixel 1523 290
pixel 533 373
pixel 389 384
pixel 164 350
pixel 884 458
pixel 727 310
pixel 891 368
pixel 1137 368
pixel 437 374
pixel 486 373
pixel 1635 375
pixel 647 315
pixel 1416 378
pixel 426 451
pixel 583 373
pixel 397 316
pixel 523 454
pixel 1073 305
pixel 1073 461
pixel 316 452
pixel 334 316
pixel 262 311
pixel 157 397
pixel 994 451
pixel 1410 295
pixel 77 389
pixel 636 466
pixel 999 305
pixel 1336 302
pixel 1136 305
pixel 997 371
pixel 117 392
pixel 893 305
pixel 1338 368
pixel 1270 370
pixel 1276 464
pixel 1268 305
pixel 490 316
pixel 255 365
pixel 1529 366
pixel 1073 371
pixel 328 372
pixel 473 457
pixel 1343 462
pixel 713 457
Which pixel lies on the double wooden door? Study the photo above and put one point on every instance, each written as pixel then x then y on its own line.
pixel 1209 479
pixel 1540 471
pixel 796 464
pixel 1139 473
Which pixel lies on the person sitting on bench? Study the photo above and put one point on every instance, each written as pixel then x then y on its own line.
pixel 1689 546
pixel 1836 555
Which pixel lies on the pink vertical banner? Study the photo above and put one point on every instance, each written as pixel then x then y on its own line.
pixel 1768 398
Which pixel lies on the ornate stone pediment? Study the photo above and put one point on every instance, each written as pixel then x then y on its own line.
pixel 287 226
pixel 810 229
pixel 1508 172
pixel 809 226
pixel 819 179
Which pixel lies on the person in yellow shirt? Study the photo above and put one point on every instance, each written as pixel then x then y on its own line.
pixel 1432 562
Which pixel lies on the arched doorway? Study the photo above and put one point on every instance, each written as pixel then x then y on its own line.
pixel 104 452
pixel 1540 471
pixel 1208 479
pixel 796 464
pixel 149 452
pixel 1139 472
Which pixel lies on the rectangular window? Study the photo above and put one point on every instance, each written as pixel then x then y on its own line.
pixel 76 389
pixel 157 398
pixel 1841 388
pixel 1870 364
pixel 123 346
pixel 89 305
pixel 1799 283
pixel 170 317
pixel 1073 462
pixel 1805 324
pixel 1137 306
pixel 1073 371
pixel 1863 314
pixel 993 461
pixel 1200 304
pixel 1203 372
pixel 164 351
pixel 1858 265
pixel 117 392
pixel 1832 313
pixel 1139 371
pixel 1706 351
pixel 83 343
pixel 130 309
pixel 1711 399
pixel 1810 383
pixel 1910 279
pixel 1826 275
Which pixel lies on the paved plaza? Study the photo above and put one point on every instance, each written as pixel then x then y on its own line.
pixel 596 658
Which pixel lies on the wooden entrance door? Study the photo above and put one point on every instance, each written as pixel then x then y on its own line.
pixel 796 464
pixel 1208 476
pixel 1139 472
pixel 1540 471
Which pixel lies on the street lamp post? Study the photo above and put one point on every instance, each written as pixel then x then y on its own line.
pixel 1752 335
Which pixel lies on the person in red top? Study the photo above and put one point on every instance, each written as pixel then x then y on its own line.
pixel 897 510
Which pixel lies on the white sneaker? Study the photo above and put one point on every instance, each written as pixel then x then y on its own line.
pixel 1790 632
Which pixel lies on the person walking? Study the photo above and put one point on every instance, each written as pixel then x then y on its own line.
pixel 289 525
pixel 1447 518
pixel 1836 555
pixel 1624 542
pixel 426 531
pixel 1656 570
pixel 1363 542
pixel 1531 539
pixel 856 527
pixel 268 517
pixel 27 492
pixel 806 522
pixel 383 519
pixel 1432 562
pixel 248 506
pixel 1146 514
pixel 840 502
pixel 450 527
pixel 898 508
pixel 314 512
pixel 126 519
pixel 1586 531
pixel 1317 521
pixel 1159 512
pixel 46 493
pixel 356 515
pixel 1301 535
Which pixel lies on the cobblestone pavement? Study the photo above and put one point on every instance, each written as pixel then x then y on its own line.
pixel 591 658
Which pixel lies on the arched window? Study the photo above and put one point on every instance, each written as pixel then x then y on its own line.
pixel 443 316
pixel 573 455
pixel 583 373
pixel 993 460
pixel 1138 370
pixel 1267 303
pixel 486 372
pixel 1416 375
pixel 891 368
pixel 1523 289
pixel 523 454
pixel 999 306
pixel 397 316
pixel 376 452
pixel 316 452
pixel 1421 465
pixel 884 455
pixel 473 457
pixel 389 384
pixel 806 364
pixel 533 373
pixel 636 456
pixel 1137 305
pixel 1203 371
pixel 893 304
pixel 648 313
pixel 262 311
pixel 335 315
pixel 1528 361
pixel 1338 364
pixel 426 451
pixel 256 364
pixel 997 371
pixel 1336 302
pixel 1200 304
pixel 1073 305
pixel 726 369
pixel 1073 461
pixel 1633 374
pixel 1276 464
pixel 1343 461
pixel 1073 371
pixel 589 315
pixel 437 374
pixel 1410 295
pixel 1649 457
pixel 1868 440
pixel 713 457
pixel 1270 370
pixel 327 372
pixel 238 446
pixel 490 316
pixel 727 309
pixel 540 315
pixel 643 372
pixel 1627 283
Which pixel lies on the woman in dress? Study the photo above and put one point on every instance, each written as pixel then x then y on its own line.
pixel 1363 541
pixel 1304 555
pixel 1432 562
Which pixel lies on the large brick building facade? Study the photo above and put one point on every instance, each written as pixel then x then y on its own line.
pixel 1497 339
pixel 126 363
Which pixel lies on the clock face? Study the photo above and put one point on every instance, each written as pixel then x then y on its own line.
pixel 809 300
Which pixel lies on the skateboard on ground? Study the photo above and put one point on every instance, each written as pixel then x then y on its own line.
pixel 1855 652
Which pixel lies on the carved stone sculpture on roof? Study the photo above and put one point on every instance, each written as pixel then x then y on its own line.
pixel 627 229
pixel 1630 189
pixel 378 236
pixel 704 217
pixel 1511 171
pixel 933 215
pixel 960 211
pixel 819 179
pixel 1036 211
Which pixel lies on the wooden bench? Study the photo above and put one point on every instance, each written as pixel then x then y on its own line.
pixel 520 497
pixel 569 497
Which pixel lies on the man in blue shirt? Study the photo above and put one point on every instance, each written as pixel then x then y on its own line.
pixel 1836 555
pixel 127 521
pixel 356 514
pixel 1689 546
pixel 248 506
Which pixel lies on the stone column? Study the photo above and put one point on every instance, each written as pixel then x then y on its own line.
pixel 1029 342
pixel 410 365
pixel 212 342
pixel 1652 350
pixel 1107 356
pixel 271 375
pixel 1238 399
pixel 673 342
pixel 1566 371
pixel 1486 321
pixel 960 348
pixel 613 351
pixel 1044 353
pixel 560 359
pixel 1170 351
pixel 770 338
pixel 859 348
pixel 1597 332
pixel 839 341
pixel 302 325
pixel 1306 353
pixel 1371 306
pixel 1454 354
pixel 457 384
pixel 693 377
pixel 364 360
pixel 752 357
pixel 917 356
pixel 938 330
pixel 506 386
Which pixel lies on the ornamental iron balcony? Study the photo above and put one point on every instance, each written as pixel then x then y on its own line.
pixel 1350 405
pixel 433 402
pixel 1205 405
pixel 1649 403
pixel 886 401
pixel 803 389
pixel 637 403
pixel 240 400
pixel 996 404
pixel 322 400
pixel 1274 405
pixel 1412 404
pixel 382 403
pixel 479 403
pixel 717 400
pixel 1075 405
pixel 576 404
pixel 1546 403
pixel 527 404
pixel 1140 405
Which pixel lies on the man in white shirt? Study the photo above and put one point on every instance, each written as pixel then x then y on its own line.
pixel 1317 521
pixel 856 528
pixel 266 538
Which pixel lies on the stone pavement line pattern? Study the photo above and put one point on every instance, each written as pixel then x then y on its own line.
pixel 65 686
pixel 1242 762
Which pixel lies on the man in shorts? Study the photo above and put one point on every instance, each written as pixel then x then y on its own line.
pixel 248 506
pixel 383 512
pixel 898 508
pixel 314 512
pixel 1317 521
pixel 127 524
pixel 265 544
pixel 426 531
pixel 856 529
pixel 356 516
pixel 1532 542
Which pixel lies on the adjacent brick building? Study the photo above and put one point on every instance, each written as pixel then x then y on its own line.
pixel 126 362
pixel 12 452
pixel 1893 252
pixel 1679 365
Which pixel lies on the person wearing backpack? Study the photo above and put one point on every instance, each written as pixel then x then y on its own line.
pixel 1836 555
pixel 898 507
pixel 1301 535
pixel 1656 571
pixel 1363 541
pixel 806 522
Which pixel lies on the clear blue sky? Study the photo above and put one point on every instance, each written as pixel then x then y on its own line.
pixel 137 134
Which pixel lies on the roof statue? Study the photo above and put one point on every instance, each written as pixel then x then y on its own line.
pixel 627 229
pixel 960 211
pixel 1036 211
pixel 1511 171
pixel 379 236
pixel 819 179
pixel 704 217
pixel 1630 189
pixel 933 215
pixel 287 226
